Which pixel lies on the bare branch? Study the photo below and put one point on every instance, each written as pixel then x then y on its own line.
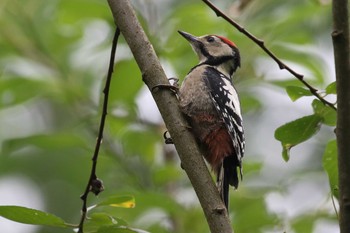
pixel 341 43
pixel 94 184
pixel 261 44
pixel 153 75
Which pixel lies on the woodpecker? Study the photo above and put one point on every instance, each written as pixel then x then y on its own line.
pixel 209 100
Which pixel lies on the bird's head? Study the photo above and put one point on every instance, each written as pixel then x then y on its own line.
pixel 216 51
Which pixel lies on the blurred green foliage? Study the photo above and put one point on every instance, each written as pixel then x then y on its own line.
pixel 53 63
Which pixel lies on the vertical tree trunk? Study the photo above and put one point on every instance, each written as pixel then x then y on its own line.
pixel 342 65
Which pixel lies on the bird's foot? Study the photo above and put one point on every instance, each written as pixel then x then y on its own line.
pixel 174 87
pixel 220 210
pixel 167 139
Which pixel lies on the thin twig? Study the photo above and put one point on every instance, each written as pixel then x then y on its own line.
pixel 94 184
pixel 261 44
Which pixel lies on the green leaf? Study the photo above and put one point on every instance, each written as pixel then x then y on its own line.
pixel 58 141
pixel 119 201
pixel 91 9
pixel 295 92
pixel 252 208
pixel 165 174
pixel 116 229
pixel 16 90
pixel 296 132
pixel 330 164
pixel 31 216
pixel 328 114
pixel 331 88
pixel 285 82
pixel 304 223
pixel 250 103
pixel 286 152
pixel 102 219
pixel 146 200
pixel 126 83
pixel 96 220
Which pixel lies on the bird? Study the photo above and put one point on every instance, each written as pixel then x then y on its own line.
pixel 210 102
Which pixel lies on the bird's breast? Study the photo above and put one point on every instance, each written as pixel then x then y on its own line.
pixel 194 96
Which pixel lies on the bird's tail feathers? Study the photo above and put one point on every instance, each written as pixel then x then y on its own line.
pixel 226 176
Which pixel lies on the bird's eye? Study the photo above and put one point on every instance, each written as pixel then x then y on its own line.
pixel 210 39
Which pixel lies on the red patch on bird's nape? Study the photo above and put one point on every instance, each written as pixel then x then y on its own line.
pixel 227 41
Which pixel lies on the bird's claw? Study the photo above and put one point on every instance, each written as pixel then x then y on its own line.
pixel 175 83
pixel 174 87
pixel 167 140
pixel 220 210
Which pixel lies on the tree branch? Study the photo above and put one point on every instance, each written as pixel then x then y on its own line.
pixel 341 43
pixel 153 75
pixel 261 44
pixel 94 184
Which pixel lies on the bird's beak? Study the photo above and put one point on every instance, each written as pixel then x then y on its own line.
pixel 192 39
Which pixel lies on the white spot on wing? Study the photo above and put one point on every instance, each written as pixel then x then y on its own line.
pixel 226 101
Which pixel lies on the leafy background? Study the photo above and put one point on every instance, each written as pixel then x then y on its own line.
pixel 53 63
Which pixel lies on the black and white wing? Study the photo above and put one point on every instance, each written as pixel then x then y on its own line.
pixel 225 99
